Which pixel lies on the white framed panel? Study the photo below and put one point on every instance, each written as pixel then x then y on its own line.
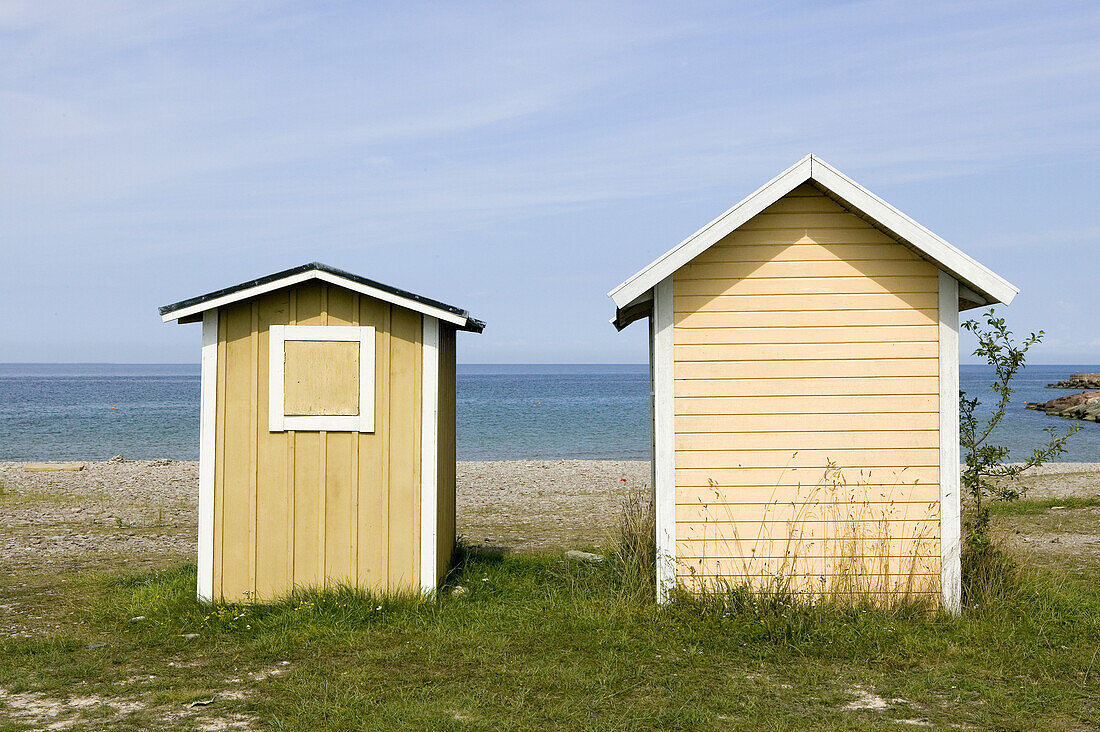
pixel 278 421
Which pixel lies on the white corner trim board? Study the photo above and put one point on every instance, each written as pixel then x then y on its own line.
pixel 950 498
pixel 208 396
pixel 278 421
pixel 664 457
pixel 429 422
pixel 811 168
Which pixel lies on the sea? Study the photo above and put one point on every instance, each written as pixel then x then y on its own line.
pixel 505 412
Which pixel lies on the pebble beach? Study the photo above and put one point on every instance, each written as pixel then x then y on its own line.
pixel 143 512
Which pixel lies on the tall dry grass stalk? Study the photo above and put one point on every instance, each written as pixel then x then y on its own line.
pixel 840 543
pixel 632 545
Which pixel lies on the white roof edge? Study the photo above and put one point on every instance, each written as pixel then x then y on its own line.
pixel 319 275
pixel 755 202
pixel 963 267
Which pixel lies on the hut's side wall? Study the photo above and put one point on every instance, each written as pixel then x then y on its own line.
pixel 302 509
pixel 445 523
pixel 806 406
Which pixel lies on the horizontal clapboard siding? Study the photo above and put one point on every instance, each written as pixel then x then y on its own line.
pixel 811 424
pixel 708 502
pixel 799 441
pixel 731 478
pixel 696 353
pixel 808 586
pixel 857 284
pixel 824 301
pixel 728 272
pixel 806 386
pixel 806 405
pixel 779 320
pixel 822 334
pixel 799 369
pixel 924 566
pixel 786 245
pixel 707 521
pixel 807 459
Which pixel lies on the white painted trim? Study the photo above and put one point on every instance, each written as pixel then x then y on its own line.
pixel 208 397
pixel 664 437
pixel 325 277
pixel 278 335
pixel 950 498
pixel 982 280
pixel 962 266
pixel 662 267
pixel 429 489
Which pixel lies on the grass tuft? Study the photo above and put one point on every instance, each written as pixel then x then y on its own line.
pixel 1036 507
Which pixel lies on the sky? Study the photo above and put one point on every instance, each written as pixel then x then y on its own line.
pixel 518 160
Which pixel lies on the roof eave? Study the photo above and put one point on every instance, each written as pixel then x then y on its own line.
pixel 640 307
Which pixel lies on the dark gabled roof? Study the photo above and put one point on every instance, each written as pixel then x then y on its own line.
pixel 317 270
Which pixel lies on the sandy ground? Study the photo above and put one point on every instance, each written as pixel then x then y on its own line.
pixel 142 513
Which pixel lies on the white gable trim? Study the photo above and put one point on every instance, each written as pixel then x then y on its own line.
pixel 711 234
pixel 975 276
pixel 316 274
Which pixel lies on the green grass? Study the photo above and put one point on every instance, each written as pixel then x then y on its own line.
pixel 1036 507
pixel 536 641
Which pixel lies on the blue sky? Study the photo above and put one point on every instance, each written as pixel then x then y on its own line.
pixel 518 160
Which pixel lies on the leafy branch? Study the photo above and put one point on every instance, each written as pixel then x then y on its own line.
pixel 987 477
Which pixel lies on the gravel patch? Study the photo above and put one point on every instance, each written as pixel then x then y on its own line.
pixel 1062 480
pixel 146 509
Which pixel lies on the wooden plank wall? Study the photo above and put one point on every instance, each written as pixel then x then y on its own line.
pixel 446 476
pixel 806 399
pixel 301 509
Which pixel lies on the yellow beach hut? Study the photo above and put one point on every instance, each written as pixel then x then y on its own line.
pixel 327 436
pixel 804 358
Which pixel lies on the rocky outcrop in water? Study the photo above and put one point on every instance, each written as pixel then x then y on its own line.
pixel 1085 405
pixel 1078 381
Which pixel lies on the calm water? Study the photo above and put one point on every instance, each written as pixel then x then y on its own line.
pixel 94 411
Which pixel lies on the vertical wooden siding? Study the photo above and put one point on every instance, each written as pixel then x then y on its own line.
pixel 806 400
pixel 300 509
pixel 445 523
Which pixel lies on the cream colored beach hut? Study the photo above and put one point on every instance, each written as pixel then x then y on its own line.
pixel 804 357
pixel 327 437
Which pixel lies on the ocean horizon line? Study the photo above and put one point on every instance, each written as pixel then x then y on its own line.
pixel 462 363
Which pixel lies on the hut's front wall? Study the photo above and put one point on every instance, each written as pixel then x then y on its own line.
pixel 806 406
pixel 304 509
